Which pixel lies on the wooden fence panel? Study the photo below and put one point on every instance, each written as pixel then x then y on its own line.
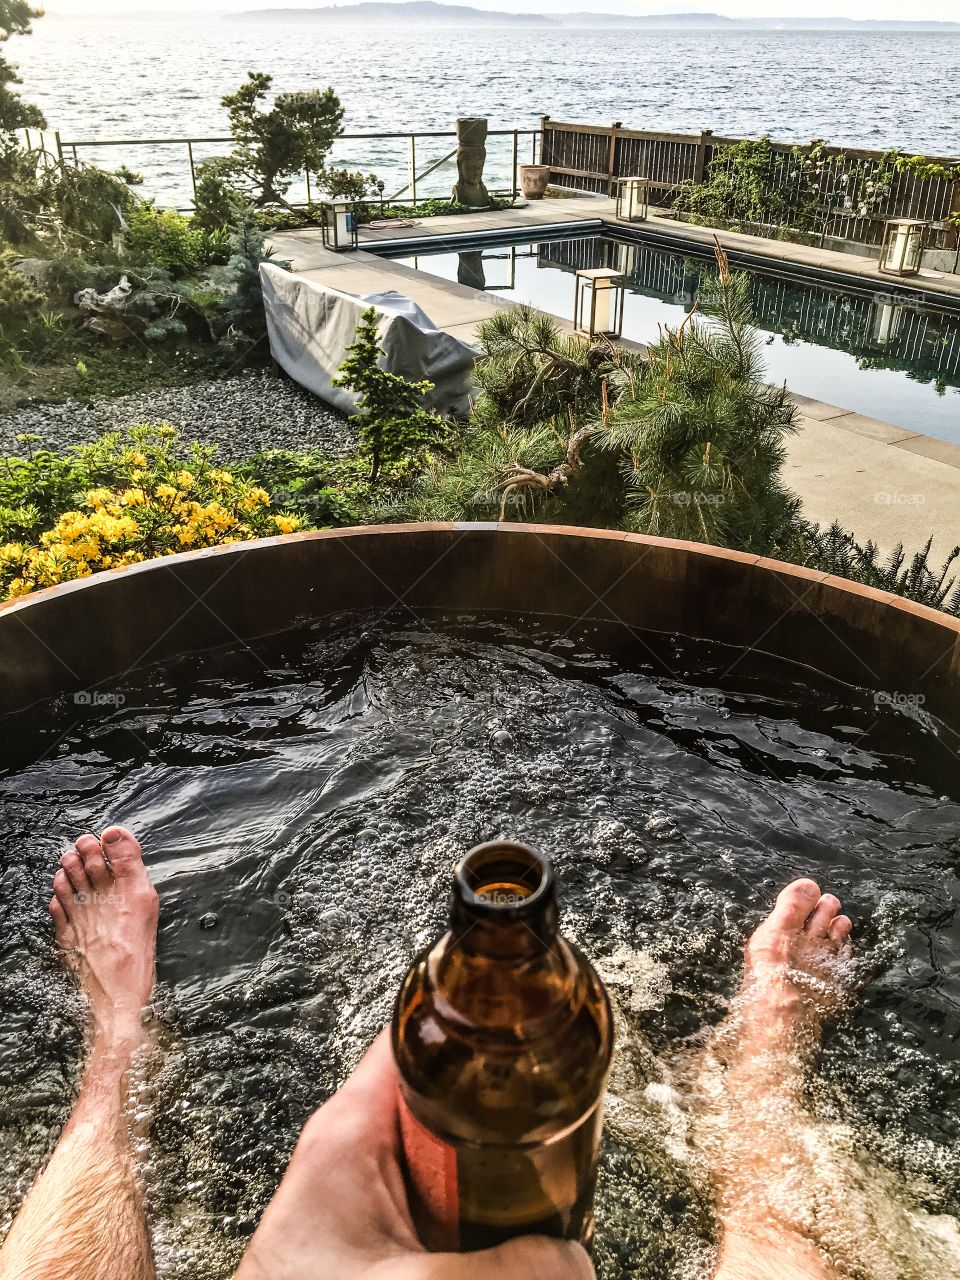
pixel 591 158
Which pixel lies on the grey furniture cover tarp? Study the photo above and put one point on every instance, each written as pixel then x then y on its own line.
pixel 310 326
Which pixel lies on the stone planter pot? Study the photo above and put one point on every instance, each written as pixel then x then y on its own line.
pixel 534 179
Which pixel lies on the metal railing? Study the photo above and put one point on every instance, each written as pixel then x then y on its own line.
pixel 68 151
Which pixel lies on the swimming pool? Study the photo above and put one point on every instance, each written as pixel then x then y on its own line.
pixel 889 355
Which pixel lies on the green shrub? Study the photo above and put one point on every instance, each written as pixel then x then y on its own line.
pixel 19 300
pixel 70 272
pixel 37 487
pixel 217 203
pixel 241 312
pixel 172 242
pixel 427 209
pixel 89 204
pixel 835 550
pixel 322 492
pixel 347 184
pixel 124 499
pixel 20 306
pixel 288 219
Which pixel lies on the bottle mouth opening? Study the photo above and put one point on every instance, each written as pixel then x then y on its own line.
pixel 502 880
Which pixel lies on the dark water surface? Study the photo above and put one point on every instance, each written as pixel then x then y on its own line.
pixel 302 807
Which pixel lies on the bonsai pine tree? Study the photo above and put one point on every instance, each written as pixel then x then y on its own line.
pixel 684 442
pixel 531 373
pixel 532 446
pixel 392 422
pixel 701 435
pixel 272 146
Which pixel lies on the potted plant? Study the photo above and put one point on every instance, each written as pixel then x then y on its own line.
pixel 534 179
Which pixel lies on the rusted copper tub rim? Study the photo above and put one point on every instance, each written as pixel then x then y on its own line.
pixel 694 588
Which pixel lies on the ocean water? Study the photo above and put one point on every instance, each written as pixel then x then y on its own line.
pixel 114 78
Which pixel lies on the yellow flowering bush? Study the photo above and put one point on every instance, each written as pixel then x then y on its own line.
pixel 138 497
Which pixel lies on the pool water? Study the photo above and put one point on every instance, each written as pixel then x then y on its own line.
pixel 884 355
pixel 302 804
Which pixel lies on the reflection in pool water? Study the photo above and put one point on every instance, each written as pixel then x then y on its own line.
pixel 312 797
pixel 883 355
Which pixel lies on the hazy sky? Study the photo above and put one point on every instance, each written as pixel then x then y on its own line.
pixel 943 10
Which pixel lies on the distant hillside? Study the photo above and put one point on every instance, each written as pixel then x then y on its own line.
pixel 657 20
pixel 431 11
pixel 843 24
pixel 411 11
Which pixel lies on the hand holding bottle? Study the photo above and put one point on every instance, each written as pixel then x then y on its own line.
pixel 341 1212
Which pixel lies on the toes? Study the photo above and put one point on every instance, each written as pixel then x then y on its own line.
pixel 98 873
pixel 72 864
pixel 122 851
pixel 63 892
pixel 60 922
pixel 823 916
pixel 794 905
pixel 840 929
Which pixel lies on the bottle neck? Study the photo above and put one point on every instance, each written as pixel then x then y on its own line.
pixel 504 903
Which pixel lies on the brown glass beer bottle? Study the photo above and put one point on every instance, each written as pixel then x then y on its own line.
pixel 503 1036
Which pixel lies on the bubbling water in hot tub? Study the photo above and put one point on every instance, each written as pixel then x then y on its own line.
pixel 302 805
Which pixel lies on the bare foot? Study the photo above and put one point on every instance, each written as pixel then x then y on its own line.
pixel 797 962
pixel 756 1130
pixel 105 910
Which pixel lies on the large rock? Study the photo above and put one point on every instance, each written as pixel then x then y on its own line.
pixel 35 270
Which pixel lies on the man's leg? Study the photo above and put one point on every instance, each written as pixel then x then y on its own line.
pixel 84 1216
pixel 796 966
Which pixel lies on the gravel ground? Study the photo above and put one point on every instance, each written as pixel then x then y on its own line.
pixel 242 415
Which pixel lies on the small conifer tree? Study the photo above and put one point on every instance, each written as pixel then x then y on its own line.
pixel 273 145
pixel 242 308
pixel 391 419
pixel 691 429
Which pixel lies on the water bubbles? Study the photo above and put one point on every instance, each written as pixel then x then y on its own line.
pixel 637 980
pixel 209 920
pixel 661 826
pixel 502 740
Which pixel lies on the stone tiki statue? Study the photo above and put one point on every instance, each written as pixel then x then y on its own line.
pixel 471 157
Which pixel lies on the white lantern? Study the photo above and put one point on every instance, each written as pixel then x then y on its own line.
pixel 598 303
pixel 886 322
pixel 629 255
pixel 633 199
pixel 341 229
pixel 902 250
